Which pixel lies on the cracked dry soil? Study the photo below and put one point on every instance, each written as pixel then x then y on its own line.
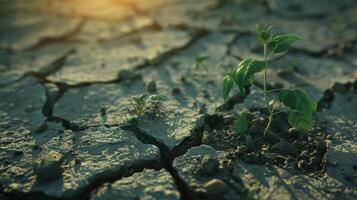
pixel 69 68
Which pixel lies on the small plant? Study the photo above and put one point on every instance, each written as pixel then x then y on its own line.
pixel 199 62
pixel 299 106
pixel 139 103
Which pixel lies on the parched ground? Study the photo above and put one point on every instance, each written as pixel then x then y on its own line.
pixel 69 69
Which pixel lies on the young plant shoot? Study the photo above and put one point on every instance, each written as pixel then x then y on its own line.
pixel 199 62
pixel 139 103
pixel 300 107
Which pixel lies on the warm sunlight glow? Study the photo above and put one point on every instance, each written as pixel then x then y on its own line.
pixel 101 9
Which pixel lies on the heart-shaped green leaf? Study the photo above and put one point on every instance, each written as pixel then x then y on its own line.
pixel 300 121
pixel 245 72
pixel 303 108
pixel 281 43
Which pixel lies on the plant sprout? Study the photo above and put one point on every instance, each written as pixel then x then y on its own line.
pixel 199 61
pixel 139 103
pixel 300 107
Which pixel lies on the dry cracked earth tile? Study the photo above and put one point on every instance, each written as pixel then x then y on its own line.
pixel 83 105
pixel 21 107
pixel 314 75
pixel 276 183
pixel 41 62
pixel 97 64
pixel 148 184
pixel 124 49
pixel 193 81
pixel 66 164
pixel 186 13
pixel 99 30
pixel 26 30
pixel 201 169
pixel 92 9
pixel 109 104
pixel 301 8
pixel 341 123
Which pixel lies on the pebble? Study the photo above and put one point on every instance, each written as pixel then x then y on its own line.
pixel 151 87
pixel 311 166
pixel 355 84
pixel 241 150
pixel 329 137
pixel 127 75
pixel 210 164
pixel 49 167
pixel 305 154
pixel 176 91
pixel 284 148
pixel 314 160
pixel 301 136
pixel 249 142
pixel 283 126
pixel 302 164
pixel 216 187
pixel 355 167
pixel 339 87
pixel 293 131
pixel 255 130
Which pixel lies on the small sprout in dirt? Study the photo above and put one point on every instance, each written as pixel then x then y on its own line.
pixel 199 62
pixel 139 103
pixel 300 107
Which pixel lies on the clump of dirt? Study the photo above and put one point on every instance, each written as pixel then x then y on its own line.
pixel 283 146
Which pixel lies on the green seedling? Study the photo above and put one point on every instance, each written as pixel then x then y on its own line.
pixel 299 106
pixel 139 103
pixel 199 62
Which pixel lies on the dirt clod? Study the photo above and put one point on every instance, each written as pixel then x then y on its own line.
pixel 210 164
pixel 284 148
pixel 216 187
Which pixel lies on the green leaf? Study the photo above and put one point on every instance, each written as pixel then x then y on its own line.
pixel 300 121
pixel 303 108
pixel 246 70
pixel 282 43
pixel 240 123
pixel 141 98
pixel 199 60
pixel 264 35
pixel 227 84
